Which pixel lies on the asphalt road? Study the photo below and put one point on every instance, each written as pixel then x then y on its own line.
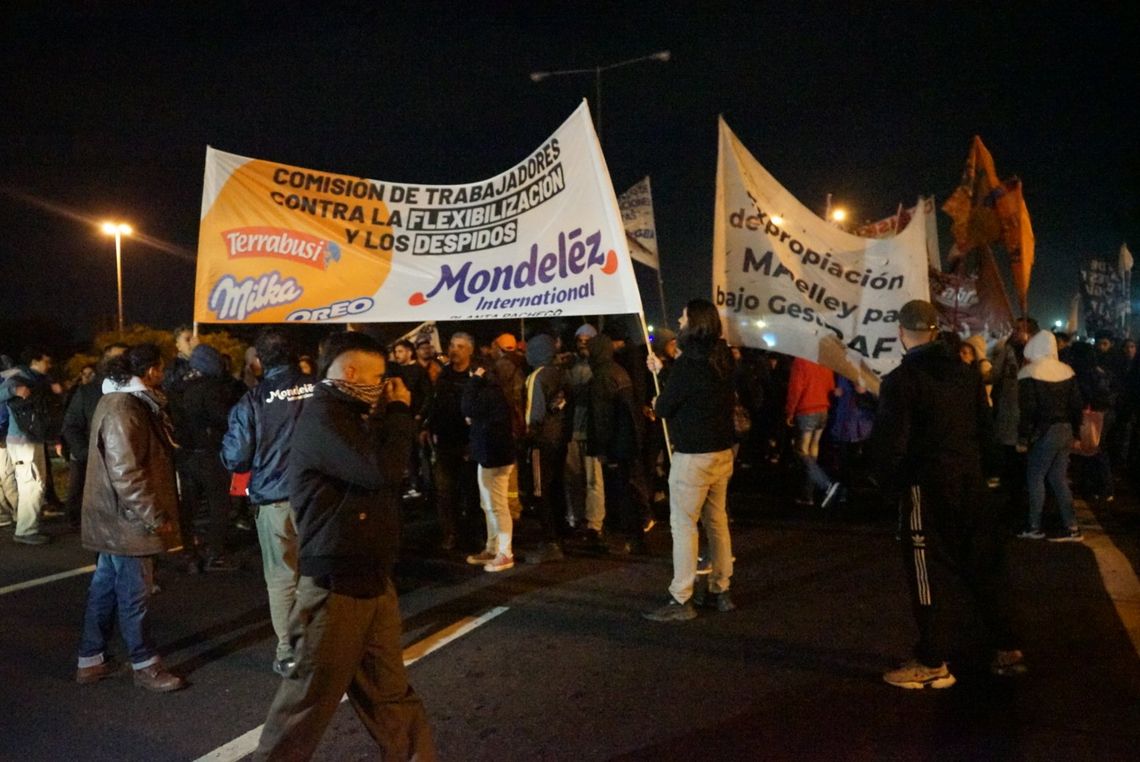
pixel 570 670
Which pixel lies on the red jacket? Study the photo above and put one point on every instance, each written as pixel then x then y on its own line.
pixel 808 388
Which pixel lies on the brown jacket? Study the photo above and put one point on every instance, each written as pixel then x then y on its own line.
pixel 130 502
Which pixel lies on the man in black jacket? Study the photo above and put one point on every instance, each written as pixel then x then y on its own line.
pixel 258 440
pixel 77 430
pixel 545 444
pixel 932 426
pixel 613 434
pixel 456 488
pixel 200 424
pixel 348 454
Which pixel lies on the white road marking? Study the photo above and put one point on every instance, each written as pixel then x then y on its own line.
pixel 1120 581
pixel 247 742
pixel 47 579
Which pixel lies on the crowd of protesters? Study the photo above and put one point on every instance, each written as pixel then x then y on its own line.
pixel 586 441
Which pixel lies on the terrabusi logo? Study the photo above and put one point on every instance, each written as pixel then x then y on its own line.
pixel 280 243
pixel 573 256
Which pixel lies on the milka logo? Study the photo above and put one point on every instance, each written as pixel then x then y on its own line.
pixel 301 392
pixel 573 257
pixel 231 300
pixel 280 243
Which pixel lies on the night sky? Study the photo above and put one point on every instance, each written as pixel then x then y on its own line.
pixel 108 107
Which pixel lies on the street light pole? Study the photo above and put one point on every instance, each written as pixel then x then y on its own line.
pixel 118 229
pixel 538 76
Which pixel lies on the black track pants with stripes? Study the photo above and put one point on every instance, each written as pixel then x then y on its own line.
pixel 952 540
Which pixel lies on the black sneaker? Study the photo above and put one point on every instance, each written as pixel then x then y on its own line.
pixel 221 564
pixel 672 612
pixel 632 547
pixel 719 601
pixel 703 599
pixel 829 495
pixel 32 538
pixel 547 553
pixel 1008 663
pixel 594 541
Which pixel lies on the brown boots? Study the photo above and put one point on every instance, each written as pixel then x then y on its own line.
pixel 155 678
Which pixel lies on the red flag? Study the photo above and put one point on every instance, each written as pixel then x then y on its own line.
pixel 971 205
pixel 1017 236
pixel 972 303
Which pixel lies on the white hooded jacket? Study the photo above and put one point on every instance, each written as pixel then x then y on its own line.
pixel 1043 365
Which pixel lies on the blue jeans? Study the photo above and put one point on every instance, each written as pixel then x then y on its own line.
pixel 1048 460
pixel 120 584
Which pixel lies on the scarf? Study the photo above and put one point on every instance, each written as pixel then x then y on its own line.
pixel 369 394
pixel 154 399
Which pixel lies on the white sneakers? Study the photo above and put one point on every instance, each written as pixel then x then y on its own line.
pixel 500 562
pixel 916 675
pixel 481 559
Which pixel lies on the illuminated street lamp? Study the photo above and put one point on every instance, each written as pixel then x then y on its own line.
pixel 538 76
pixel 837 215
pixel 118 229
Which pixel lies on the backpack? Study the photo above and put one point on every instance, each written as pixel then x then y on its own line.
pixel 30 416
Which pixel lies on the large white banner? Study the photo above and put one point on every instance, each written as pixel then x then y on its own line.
pixel 786 280
pixel 640 227
pixel 545 238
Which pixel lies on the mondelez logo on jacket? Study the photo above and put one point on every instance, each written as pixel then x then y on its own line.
pixel 299 392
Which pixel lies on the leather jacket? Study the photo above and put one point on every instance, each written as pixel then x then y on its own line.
pixel 130 502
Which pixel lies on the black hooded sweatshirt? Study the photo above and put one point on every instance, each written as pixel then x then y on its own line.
pixel 611 429
pixel 697 402
pixel 932 424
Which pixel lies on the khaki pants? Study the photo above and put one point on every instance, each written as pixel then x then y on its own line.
pixel 30 464
pixel 278 539
pixel 698 489
pixel 585 488
pixel 352 645
pixel 9 493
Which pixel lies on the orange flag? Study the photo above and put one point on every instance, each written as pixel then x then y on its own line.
pixel 1017 236
pixel 971 205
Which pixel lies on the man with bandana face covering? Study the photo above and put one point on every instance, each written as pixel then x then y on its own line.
pixel 345 466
